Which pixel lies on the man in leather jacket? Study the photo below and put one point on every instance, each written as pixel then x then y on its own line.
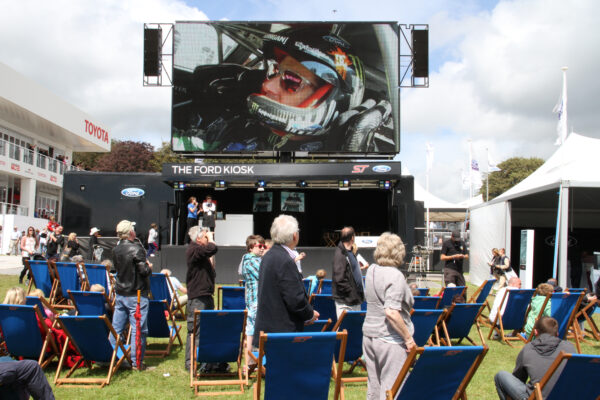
pixel 347 284
pixel 133 274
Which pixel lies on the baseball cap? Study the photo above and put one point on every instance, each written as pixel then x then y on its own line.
pixel 124 227
pixel 94 230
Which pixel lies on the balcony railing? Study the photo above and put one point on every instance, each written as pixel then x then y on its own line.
pixel 8 208
pixel 28 156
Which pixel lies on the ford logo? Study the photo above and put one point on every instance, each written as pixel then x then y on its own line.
pixel 382 168
pixel 133 192
pixel 367 241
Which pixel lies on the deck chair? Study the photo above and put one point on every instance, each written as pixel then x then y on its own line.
pixel 41 277
pixel 89 303
pixel 220 336
pixel 449 293
pixel 325 287
pixel 158 327
pixel 458 321
pixel 325 305
pixel 514 316
pixel 563 308
pixel 426 302
pixel 319 325
pixel 425 323
pixel 307 284
pixel 290 371
pixel 67 278
pixel 481 295
pixel 587 313
pixel 576 376
pixel 97 274
pixel 438 373
pixel 232 298
pixel 89 335
pixel 40 302
pixel 24 337
pixel 162 289
pixel 423 291
pixel 351 322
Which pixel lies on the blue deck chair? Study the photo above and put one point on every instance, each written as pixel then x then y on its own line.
pixel 586 313
pixel 67 278
pixel 576 376
pixel 158 327
pixel 22 333
pixel 40 276
pixel 90 303
pixel 449 293
pixel 290 373
pixel 40 302
pixel 352 323
pixel 220 338
pixel 325 305
pixel 459 319
pixel 162 289
pixel 438 373
pixel 425 324
pixel 89 335
pixel 426 302
pixel 577 290
pixel 517 305
pixel 232 298
pixel 325 287
pixel 563 308
pixel 480 296
pixel 96 274
pixel 423 291
pixel 319 325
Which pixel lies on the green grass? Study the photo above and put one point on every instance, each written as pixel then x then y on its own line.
pixel 153 384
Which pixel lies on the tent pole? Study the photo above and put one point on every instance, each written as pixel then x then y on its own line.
pixel 557 234
pixel 564 238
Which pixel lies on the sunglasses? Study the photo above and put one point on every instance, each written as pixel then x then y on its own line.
pixel 260 246
pixel 289 80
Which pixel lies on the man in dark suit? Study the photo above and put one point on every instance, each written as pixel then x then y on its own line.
pixel 282 301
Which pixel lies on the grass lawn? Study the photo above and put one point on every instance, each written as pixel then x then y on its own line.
pixel 168 379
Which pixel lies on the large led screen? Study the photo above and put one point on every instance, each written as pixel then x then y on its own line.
pixel 293 87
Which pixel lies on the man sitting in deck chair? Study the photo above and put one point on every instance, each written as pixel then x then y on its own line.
pixel 533 361
pixel 513 283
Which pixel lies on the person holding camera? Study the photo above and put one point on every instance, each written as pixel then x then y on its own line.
pixel 498 266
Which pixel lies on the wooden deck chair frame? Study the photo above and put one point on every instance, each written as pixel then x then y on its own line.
pixel 539 386
pixel 483 319
pixel 342 336
pixel 335 369
pixel 174 329
pixel 592 332
pixel 498 320
pixel 241 361
pixel 91 382
pixel 410 360
pixel 49 344
pixel 32 280
pixel 448 313
pixel 436 330
pixel 57 298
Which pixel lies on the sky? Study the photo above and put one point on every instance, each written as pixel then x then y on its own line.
pixel 495 68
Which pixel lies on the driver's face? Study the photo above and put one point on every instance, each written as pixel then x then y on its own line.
pixel 285 88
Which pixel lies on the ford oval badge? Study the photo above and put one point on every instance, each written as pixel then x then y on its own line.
pixel 382 168
pixel 133 192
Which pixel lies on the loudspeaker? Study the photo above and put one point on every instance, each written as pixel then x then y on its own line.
pixel 420 46
pixel 404 210
pixel 152 51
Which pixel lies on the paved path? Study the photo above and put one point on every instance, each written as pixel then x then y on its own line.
pixel 10 265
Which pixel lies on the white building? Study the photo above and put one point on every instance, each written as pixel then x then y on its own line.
pixel 38 134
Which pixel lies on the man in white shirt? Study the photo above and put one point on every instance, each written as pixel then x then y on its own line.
pixel 13 248
pixel 513 283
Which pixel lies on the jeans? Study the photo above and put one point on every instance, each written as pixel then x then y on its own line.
pixel 125 312
pixel 509 385
pixel 197 303
pixel 20 379
pixel 152 247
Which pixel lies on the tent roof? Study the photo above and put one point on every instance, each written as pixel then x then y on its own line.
pixel 573 164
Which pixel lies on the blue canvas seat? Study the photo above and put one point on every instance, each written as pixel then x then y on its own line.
pixel 459 319
pixel 93 274
pixel 439 373
pixel 89 303
pixel 162 289
pixel 576 376
pixel 90 336
pixel 24 337
pixel 41 277
pixel 351 322
pixel 449 293
pixel 158 327
pixel 325 287
pixel 319 325
pixel 423 291
pixel 426 302
pixel 425 324
pixel 218 338
pixel 325 305
pixel 232 297
pixel 563 308
pixel 291 374
pixel 515 312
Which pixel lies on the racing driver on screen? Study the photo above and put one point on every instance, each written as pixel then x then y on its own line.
pixel 308 97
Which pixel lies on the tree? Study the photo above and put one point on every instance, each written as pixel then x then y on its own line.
pixel 512 171
pixel 126 156
pixel 166 155
pixel 86 161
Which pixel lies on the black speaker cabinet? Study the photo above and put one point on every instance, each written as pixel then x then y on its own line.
pixel 152 51
pixel 420 46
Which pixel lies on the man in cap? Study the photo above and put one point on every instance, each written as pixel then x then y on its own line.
pixel 454 251
pixel 133 274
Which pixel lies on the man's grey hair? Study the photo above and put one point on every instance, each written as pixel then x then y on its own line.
pixel 283 229
pixel 196 232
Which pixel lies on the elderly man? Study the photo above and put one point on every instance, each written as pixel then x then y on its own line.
pixel 200 278
pixel 133 274
pixel 347 282
pixel 282 301
pixel 513 283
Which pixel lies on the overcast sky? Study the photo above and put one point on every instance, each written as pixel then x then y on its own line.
pixel 494 68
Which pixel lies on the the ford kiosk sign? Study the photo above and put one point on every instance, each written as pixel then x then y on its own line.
pixel 133 192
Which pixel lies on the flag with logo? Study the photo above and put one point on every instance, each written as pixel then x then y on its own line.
pixel 561 110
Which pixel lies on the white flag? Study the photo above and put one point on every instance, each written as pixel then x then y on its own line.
pixel 561 109
pixel 491 167
pixel 429 156
pixel 466 180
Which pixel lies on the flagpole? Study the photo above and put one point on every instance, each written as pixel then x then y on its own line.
pixel 470 171
pixel 487 176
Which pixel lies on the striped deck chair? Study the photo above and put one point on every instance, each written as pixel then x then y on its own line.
pixel 325 305
pixel 158 327
pixel 351 322
pixel 232 297
pixel 24 336
pixel 41 276
pixel 459 319
pixel 514 316
pixel 425 323
pixel 438 373
pixel 89 335
pixel 290 373
pixel 426 302
pixel 449 293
